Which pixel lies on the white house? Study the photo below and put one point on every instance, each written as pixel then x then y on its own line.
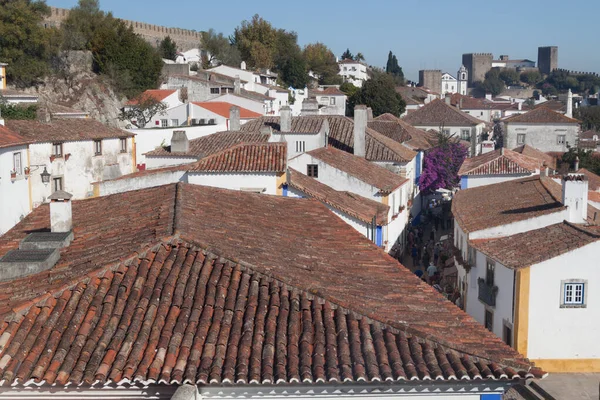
pixel 170 99
pixel 13 96
pixel 499 166
pixel 543 129
pixel 524 267
pixel 449 84
pixel 252 77
pixel 76 153
pixel 439 115
pixel 347 172
pixel 505 62
pixel 331 100
pixel 354 72
pixel 15 178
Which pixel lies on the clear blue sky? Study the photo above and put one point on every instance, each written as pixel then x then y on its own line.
pixel 424 34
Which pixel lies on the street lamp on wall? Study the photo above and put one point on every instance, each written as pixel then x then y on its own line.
pixel 45 176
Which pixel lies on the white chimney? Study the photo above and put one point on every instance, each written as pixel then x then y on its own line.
pixel 243 65
pixel 61 215
pixel 448 98
pixel 360 127
pixel 576 163
pixel 569 112
pixel 520 106
pixel 285 119
pixel 234 118
pixel 237 85
pixel 1 119
pixel 575 197
pixel 369 114
pixel 180 142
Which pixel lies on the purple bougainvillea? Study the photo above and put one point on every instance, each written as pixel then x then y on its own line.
pixel 440 167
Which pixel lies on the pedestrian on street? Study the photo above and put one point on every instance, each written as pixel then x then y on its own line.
pixel 415 255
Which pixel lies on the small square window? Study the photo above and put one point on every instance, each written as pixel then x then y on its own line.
pixel 465 134
pixel 446 132
pixel 214 90
pixel 332 101
pixel 164 123
pixel 97 147
pixel 574 294
pixel 521 138
pixel 123 145
pixel 561 139
pixel 57 149
pixel 312 170
pixel 174 122
pixel 57 184
pixel 17 163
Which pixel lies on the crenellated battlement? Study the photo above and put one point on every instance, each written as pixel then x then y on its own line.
pixel 570 72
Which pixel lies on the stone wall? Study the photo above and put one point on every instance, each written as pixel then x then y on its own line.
pixel 431 79
pixel 477 64
pixel 547 59
pixel 186 39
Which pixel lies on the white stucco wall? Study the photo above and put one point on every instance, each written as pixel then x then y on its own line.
pixel 564 333
pixel 456 131
pixel 161 162
pixel 139 182
pixel 541 136
pixel 82 168
pixel 504 280
pixel 148 139
pixel 474 181
pixel 311 142
pixel 520 226
pixel 236 181
pixel 14 195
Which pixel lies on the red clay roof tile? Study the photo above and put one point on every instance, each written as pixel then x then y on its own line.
pixel 154 94
pixel 541 115
pixel 501 161
pixel 9 138
pixel 245 157
pixel 222 108
pixel 65 130
pixel 437 112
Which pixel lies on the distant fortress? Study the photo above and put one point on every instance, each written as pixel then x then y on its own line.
pixel 186 39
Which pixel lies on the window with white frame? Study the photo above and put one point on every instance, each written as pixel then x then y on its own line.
pixel 561 139
pixel 17 163
pixel 300 146
pixel 164 123
pixel 465 134
pixel 520 138
pixel 312 170
pixel 573 293
pixel 57 149
pixel 123 145
pixel 174 122
pixel 446 132
pixel 332 101
pixel 57 183
pixel 97 147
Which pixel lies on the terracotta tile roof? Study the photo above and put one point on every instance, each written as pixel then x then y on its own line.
pixel 553 105
pixel 256 296
pixel 352 204
pixel 381 178
pixel 593 179
pixel 57 109
pixel 254 95
pixel 589 134
pixel 594 196
pixel 506 202
pixel 222 108
pixel 246 157
pixel 541 115
pixel 155 94
pixel 67 130
pixel 416 94
pixel 533 247
pixel 330 91
pixel 532 152
pixel 468 102
pixel 404 133
pixel 437 112
pixel 9 138
pixel 211 144
pixel 386 117
pixel 501 161
pixel 301 124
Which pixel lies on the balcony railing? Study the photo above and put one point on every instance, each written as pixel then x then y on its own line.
pixel 487 293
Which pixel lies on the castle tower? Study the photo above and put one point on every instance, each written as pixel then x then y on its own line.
pixel 477 65
pixel 462 78
pixel 547 59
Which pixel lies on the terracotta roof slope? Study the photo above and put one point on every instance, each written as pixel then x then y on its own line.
pixel 381 178
pixel 65 130
pixel 352 204
pixel 251 289
pixel 404 133
pixel 593 179
pixel 541 115
pixel 532 152
pixel 437 112
pixel 246 157
pixel 386 117
pixel 154 94
pixel 222 108
pixel 489 206
pixel 301 124
pixel 535 246
pixel 207 145
pixel 501 161
pixel 9 138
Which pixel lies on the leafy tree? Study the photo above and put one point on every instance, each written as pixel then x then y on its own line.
pixel 492 84
pixel 80 26
pixel 293 73
pixel 589 117
pixel 321 61
pixel 531 77
pixel 256 40
pixel 394 69
pixel 549 89
pixel 24 43
pixel 168 48
pixel 351 92
pixel 17 111
pixel 289 61
pixel 145 109
pixel 359 57
pixel 218 49
pixel 380 94
pixel 441 165
pixel 347 55
pixel 587 159
pixel 509 76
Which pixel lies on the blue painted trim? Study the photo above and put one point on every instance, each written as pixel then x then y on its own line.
pixel 464 182
pixel 379 237
pixel 419 166
pixel 491 396
pixel 285 189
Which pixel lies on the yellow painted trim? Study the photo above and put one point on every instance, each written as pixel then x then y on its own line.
pixel 3 74
pixel 522 310
pixel 281 179
pixel 385 200
pixel 96 189
pixel 569 365
pixel 133 154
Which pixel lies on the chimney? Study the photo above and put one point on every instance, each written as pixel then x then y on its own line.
pixel 576 163
pixel 520 105
pixel 179 142
pixel 575 197
pixel 448 98
pixel 369 114
pixel 488 96
pixel 61 216
pixel 243 65
pixel 1 119
pixel 234 119
pixel 360 127
pixel 237 86
pixel 310 107
pixel 460 103
pixel 569 112
pixel 285 119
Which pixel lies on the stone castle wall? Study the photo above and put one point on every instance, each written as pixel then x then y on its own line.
pixel 547 59
pixel 478 64
pixel 431 79
pixel 186 39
